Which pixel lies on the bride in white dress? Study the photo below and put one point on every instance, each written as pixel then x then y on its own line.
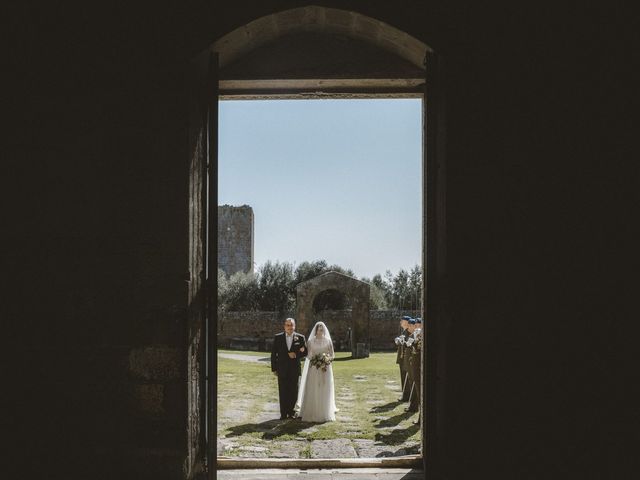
pixel 316 399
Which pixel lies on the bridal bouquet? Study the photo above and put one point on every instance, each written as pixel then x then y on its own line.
pixel 321 360
pixel 417 343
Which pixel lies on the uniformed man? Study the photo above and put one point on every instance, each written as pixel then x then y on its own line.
pixel 415 363
pixel 399 341
pixel 406 357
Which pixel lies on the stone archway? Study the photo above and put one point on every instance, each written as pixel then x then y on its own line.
pixel 313 18
pixel 355 290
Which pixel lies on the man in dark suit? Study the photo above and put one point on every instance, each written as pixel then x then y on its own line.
pixel 288 348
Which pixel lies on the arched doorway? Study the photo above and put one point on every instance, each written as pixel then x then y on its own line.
pixel 309 52
pixel 357 293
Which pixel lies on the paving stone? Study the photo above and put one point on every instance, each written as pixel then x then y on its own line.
pixel 241 357
pixel 372 449
pixel 309 430
pixel 234 415
pixel 253 448
pixel 267 416
pixel 253 452
pixel 350 433
pixel 337 448
pixel 225 446
pixel 287 449
pixel 343 419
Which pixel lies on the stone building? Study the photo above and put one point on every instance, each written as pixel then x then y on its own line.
pixel 235 239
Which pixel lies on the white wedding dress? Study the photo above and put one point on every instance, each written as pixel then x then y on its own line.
pixel 316 398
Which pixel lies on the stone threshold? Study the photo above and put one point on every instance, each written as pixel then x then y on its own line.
pixel 406 461
pixel 324 474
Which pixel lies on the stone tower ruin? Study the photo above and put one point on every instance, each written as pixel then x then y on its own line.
pixel 235 239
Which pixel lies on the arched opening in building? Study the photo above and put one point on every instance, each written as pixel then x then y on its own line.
pixel 334 309
pixel 330 299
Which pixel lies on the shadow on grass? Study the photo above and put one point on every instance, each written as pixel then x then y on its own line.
pixel 385 408
pixel 397 436
pixel 270 429
pixel 395 420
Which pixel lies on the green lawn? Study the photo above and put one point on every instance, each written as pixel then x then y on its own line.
pixel 366 396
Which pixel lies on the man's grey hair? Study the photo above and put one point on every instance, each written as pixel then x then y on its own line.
pixel 293 320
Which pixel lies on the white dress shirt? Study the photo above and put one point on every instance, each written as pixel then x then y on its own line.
pixel 289 340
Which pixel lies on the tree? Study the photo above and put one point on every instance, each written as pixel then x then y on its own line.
pixel 241 292
pixel 384 289
pixel 222 286
pixel 308 270
pixel 377 298
pixel 415 287
pixel 274 283
pixel 273 288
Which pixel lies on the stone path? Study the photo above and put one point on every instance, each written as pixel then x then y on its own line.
pixel 302 448
pixel 244 358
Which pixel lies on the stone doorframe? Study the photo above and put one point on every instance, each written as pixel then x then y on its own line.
pixel 355 290
pixel 384 77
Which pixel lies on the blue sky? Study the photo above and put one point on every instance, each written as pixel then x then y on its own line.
pixel 327 179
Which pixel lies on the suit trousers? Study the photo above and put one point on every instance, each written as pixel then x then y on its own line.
pixel 287 391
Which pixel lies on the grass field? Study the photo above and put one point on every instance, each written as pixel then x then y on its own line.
pixel 369 415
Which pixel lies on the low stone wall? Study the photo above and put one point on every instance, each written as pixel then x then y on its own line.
pixel 254 330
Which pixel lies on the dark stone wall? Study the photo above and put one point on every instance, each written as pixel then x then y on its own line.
pixel 262 326
pixel 539 234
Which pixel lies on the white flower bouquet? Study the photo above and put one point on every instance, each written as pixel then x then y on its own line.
pixel 321 360
pixel 417 343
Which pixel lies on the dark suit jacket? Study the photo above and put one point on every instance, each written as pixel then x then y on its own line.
pixel 280 361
